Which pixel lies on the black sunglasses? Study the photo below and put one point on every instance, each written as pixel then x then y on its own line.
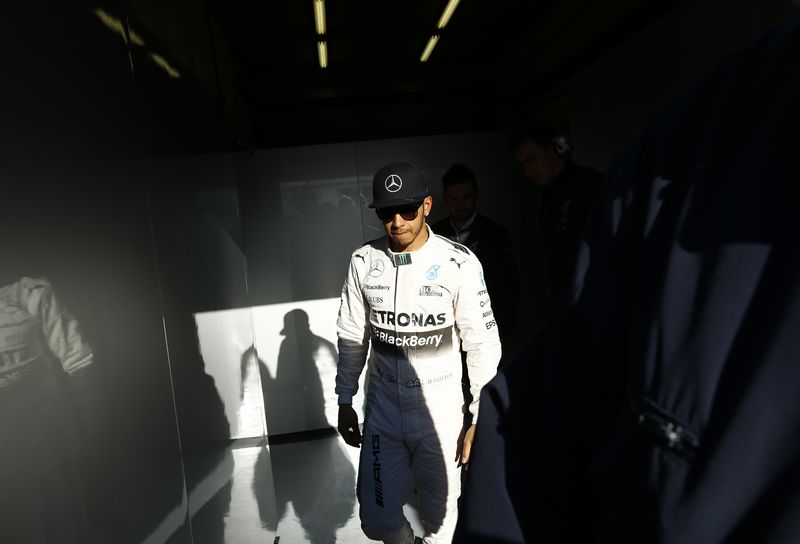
pixel 408 212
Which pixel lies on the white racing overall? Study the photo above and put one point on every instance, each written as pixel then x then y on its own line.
pixel 417 311
pixel 40 491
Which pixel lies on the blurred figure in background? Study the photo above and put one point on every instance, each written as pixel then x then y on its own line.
pixel 661 405
pixel 49 404
pixel 568 192
pixel 487 239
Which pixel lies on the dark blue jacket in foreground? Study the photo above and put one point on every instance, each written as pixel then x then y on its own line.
pixel 663 406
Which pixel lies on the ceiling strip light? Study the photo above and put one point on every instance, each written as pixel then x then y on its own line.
pixel 164 65
pixel 429 48
pixel 319 16
pixel 447 13
pixel 115 24
pixel 322 51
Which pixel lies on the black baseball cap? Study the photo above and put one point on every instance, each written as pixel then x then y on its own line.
pixel 398 183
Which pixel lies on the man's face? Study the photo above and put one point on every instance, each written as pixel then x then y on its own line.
pixel 459 199
pixel 405 225
pixel 540 165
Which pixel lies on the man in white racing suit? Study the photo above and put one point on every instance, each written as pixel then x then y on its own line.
pixel 416 299
pixel 41 492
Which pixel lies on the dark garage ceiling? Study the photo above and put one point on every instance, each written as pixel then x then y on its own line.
pixel 493 62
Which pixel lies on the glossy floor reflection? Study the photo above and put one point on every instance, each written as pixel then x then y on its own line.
pixel 299 489
pixel 315 491
pixel 229 492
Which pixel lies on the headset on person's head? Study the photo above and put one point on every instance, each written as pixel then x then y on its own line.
pixel 544 135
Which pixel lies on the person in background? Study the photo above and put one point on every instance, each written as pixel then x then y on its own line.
pixel 568 192
pixel 487 239
pixel 661 405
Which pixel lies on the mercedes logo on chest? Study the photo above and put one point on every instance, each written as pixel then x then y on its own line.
pixel 376 269
pixel 393 183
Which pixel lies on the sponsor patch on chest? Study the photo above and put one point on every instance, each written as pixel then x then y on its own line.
pixel 402 319
pixel 429 291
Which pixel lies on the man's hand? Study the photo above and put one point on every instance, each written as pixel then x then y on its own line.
pixel 464 444
pixel 348 425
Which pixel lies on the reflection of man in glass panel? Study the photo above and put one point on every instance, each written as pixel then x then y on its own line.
pixel 416 299
pixel 40 343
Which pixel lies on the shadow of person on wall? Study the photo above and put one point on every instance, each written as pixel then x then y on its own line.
pixel 307 467
pixel 294 400
pixel 314 474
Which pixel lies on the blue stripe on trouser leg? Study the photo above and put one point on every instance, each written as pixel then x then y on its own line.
pixel 383 483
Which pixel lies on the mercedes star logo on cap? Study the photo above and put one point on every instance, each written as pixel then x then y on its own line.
pixel 393 183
